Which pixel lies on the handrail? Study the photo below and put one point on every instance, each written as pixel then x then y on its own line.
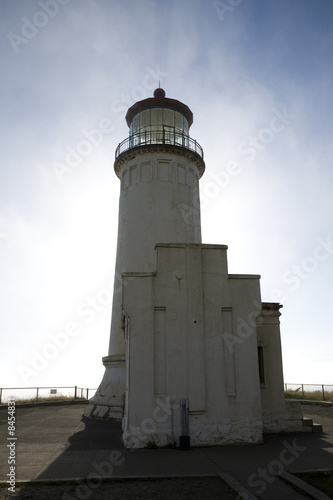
pixel 163 135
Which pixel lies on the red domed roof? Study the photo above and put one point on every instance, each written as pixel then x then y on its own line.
pixel 159 93
pixel 159 101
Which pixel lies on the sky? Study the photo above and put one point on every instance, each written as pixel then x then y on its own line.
pixel 257 75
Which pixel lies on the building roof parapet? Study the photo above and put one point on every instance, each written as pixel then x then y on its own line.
pixel 191 245
pixel 244 276
pixel 271 306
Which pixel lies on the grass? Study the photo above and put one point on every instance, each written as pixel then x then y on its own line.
pixel 321 480
pixel 310 395
pixel 151 445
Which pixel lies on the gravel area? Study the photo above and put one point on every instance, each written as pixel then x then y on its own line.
pixel 196 488
pixel 320 415
pixel 323 411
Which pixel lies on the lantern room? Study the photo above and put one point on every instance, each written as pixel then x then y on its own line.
pixel 159 120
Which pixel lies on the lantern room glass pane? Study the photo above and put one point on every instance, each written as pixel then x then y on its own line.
pixel 156 116
pixel 135 123
pixel 179 121
pixel 185 126
pixel 168 117
pixel 145 118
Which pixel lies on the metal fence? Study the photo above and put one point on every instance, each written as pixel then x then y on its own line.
pixel 35 394
pixel 319 392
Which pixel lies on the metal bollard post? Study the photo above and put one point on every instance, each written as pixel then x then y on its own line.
pixel 184 440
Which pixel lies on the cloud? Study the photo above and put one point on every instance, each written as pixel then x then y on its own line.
pixel 87 64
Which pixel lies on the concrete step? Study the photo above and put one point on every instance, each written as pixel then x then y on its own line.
pixel 311 426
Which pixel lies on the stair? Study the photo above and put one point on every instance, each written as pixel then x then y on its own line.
pixel 310 426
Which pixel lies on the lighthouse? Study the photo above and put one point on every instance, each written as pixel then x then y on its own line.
pixel 159 166
pixel 194 353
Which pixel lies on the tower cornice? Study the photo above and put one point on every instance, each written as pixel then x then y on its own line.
pixel 132 153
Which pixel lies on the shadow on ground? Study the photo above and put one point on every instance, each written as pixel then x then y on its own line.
pixel 96 449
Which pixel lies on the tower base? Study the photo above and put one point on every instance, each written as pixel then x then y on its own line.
pixel 108 402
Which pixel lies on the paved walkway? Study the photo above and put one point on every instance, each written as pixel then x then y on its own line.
pixel 55 442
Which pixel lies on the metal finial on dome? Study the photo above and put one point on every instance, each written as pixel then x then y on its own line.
pixel 159 92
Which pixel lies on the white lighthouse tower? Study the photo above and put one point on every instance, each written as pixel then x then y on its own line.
pixel 159 167
pixel 194 353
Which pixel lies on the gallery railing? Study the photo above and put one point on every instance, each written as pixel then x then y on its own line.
pixel 163 135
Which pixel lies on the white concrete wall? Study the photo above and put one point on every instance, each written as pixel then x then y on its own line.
pixel 183 322
pixel 272 390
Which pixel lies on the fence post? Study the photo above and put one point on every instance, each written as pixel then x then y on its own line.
pixel 323 388
pixel 75 393
pixel 0 395
pixel 37 395
pixel 285 387
pixel 87 392
pixel 303 391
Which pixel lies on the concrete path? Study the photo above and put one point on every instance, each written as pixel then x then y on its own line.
pixel 56 443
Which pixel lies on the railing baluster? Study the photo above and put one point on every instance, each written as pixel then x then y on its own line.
pixel 158 136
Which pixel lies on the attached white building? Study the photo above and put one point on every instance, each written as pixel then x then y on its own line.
pixel 193 350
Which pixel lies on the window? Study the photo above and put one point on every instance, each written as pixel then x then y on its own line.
pixel 261 365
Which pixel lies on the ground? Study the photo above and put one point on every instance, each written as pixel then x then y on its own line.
pixel 210 488
pixel 195 488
